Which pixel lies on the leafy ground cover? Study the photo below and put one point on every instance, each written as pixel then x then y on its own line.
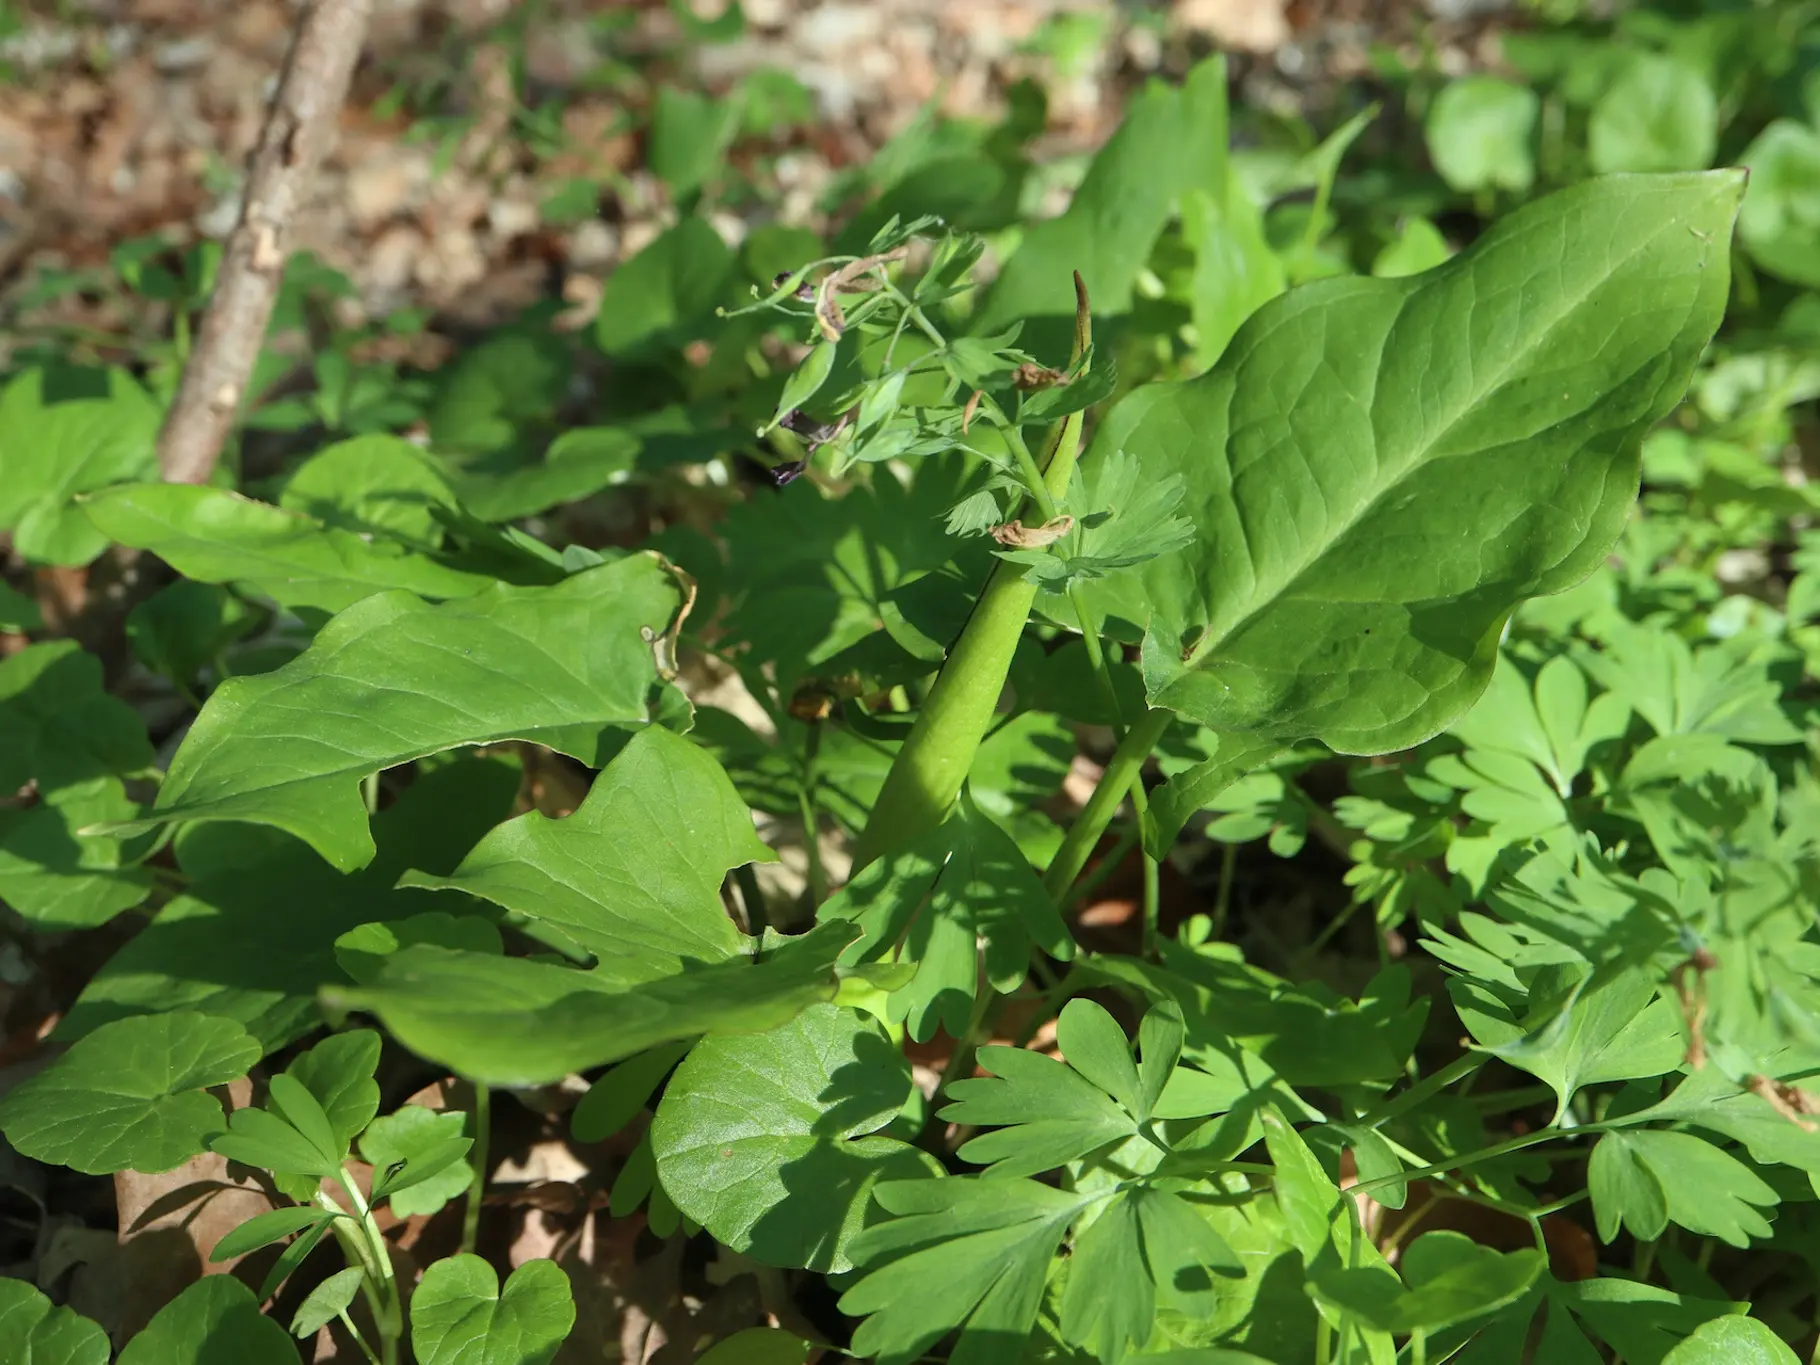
pixel 1221 775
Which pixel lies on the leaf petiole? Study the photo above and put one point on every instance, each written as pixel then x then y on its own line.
pixel 1121 773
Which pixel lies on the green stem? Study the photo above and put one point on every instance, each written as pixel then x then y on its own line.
pixel 927 775
pixel 387 1316
pixel 477 1158
pixel 1032 472
pixel 1103 869
pixel 1222 901
pixel 1152 901
pixel 968 1043
pixel 1120 775
pixel 1515 1144
pixel 359 1340
pixel 1431 1085
pixel 1140 802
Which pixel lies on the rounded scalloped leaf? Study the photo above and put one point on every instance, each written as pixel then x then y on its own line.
pixel 217 1319
pixel 460 1315
pixel 759 1137
pixel 35 1331
pixel 131 1095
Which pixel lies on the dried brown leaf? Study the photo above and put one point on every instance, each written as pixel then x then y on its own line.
pixel 1017 536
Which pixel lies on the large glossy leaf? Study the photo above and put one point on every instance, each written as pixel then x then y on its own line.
pixel 216 536
pixel 131 1095
pixel 461 1316
pixel 217 1319
pixel 634 875
pixel 517 1021
pixel 34 1331
pixel 762 1139
pixel 393 678
pixel 252 938
pixel 1170 142
pixel 1380 469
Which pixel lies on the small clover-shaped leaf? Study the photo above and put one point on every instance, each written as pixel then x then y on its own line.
pixel 131 1095
pixel 260 1138
pixel 1094 1045
pixel 431 1148
pixel 338 1072
pixel 461 1316
pixel 1625 1191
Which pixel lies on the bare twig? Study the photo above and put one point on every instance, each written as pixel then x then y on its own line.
pixel 298 131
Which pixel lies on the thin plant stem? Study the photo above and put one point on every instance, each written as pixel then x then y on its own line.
pixel 1048 1006
pixel 1152 901
pixel 477 1158
pixel 752 898
pixel 1430 1085
pixel 1644 1261
pixel 1222 901
pixel 1140 802
pixel 1515 1144
pixel 1409 1224
pixel 387 1316
pixel 968 1043
pixel 1033 476
pixel 1503 1101
pixel 1103 869
pixel 359 1340
pixel 1121 773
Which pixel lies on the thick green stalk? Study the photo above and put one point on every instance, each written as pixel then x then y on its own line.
pixel 927 774
pixel 1127 762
